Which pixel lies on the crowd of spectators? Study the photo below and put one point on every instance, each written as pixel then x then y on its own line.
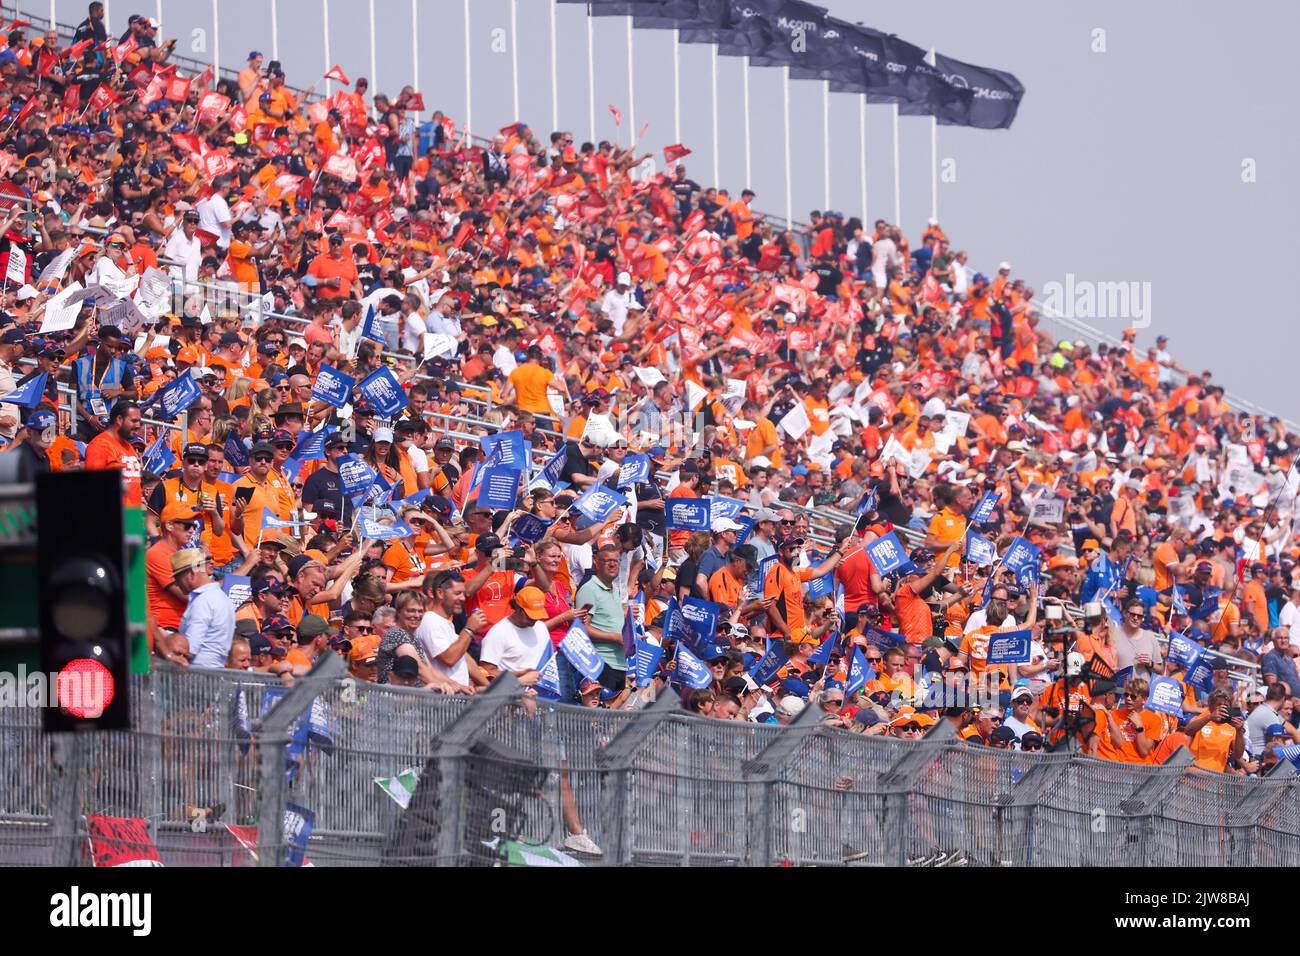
pixel 355 290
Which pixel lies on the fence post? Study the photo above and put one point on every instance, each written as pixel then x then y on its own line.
pixel 1144 802
pixel 763 772
pixel 271 734
pixel 616 757
pixel 897 782
pixel 67 751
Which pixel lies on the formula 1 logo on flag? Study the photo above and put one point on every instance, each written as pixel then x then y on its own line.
pixel 983 509
pixel 333 387
pixel 1010 647
pixel 688 514
pixel 887 554
pixel 581 652
pixel 382 389
pixel 980 551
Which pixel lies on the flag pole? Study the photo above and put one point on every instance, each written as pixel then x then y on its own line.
pixel 325 33
pixel 631 91
pixel 713 77
pixel 789 203
pixel 744 73
pixel 275 30
pixel 677 87
pixel 555 86
pixel 415 49
pixel 469 98
pixel 374 68
pixel 934 156
pixel 157 14
pixel 514 58
pixel 591 78
pixel 216 41
pixel 898 190
pixel 862 145
pixel 826 142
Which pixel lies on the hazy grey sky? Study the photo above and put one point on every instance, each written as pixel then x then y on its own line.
pixel 1125 165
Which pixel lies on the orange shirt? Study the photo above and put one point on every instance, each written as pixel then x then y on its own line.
pixel 946 527
pixel 1165 555
pixel 762 436
pixel 165 609
pixel 530 383
pixel 786 586
pixel 106 450
pixel 1212 745
pixel 725 588
pixel 1125 750
pixel 324 267
pixel 493 598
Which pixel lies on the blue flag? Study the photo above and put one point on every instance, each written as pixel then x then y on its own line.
pixel 687 514
pixel 692 671
pixel 647 660
pixel 772 661
pixel 1182 650
pixel 1208 606
pixel 887 554
pixel 859 673
pixel 1010 647
pixel 1111 610
pixel 1165 696
pixel 577 647
pixel 548 684
pixel 311 445
pixel 499 489
pixel 1289 752
pixel 158 458
pixel 175 397
pixel 529 528
pixel 868 503
pixel 298 824
pixel 550 473
pixel 983 509
pixel 822 656
pixel 720 506
pixel 980 551
pixel 239 588
pixel 507 448
pixel 382 390
pixel 1020 554
pixel 270 520
pixel 676 626
pixel 821 587
pixel 596 504
pixel 333 387
pixel 356 475
pixel 635 470
pixel 633 621
pixel 703 617
pixel 368 329
pixel 1176 600
pixel 746 529
pixel 29 395
pixel 372 530
pixel 1199 673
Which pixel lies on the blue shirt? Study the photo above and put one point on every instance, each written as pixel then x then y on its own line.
pixel 1283 666
pixel 209 625
pixel 1103 575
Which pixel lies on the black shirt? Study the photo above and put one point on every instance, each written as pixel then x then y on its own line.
pixel 575 463
pixel 651 519
pixel 828 278
pixel 326 485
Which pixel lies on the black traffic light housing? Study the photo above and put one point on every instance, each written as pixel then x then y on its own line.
pixel 81 570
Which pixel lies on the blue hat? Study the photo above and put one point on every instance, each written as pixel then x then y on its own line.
pixel 278 379
pixel 792 685
pixel 253 54
pixel 40 420
pixel 980 277
pixel 798 470
pixel 835 685
pixel 1275 730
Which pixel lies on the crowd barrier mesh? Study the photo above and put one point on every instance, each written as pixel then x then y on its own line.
pixel 402 777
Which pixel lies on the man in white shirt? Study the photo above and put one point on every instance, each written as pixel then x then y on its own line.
pixel 960 275
pixel 618 301
pixel 214 213
pixel 979 618
pixel 1289 614
pixel 504 357
pixel 516 643
pixel 442 643
pixel 441 321
pixel 184 247
pixel 413 325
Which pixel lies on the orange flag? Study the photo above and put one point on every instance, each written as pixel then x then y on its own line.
pixel 336 73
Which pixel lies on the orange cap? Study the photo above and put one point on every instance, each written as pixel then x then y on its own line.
pixel 532 602
pixel 189 355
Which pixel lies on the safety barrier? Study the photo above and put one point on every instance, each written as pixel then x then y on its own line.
pixel 502 776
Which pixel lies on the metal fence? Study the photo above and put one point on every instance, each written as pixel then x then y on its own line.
pixel 502 776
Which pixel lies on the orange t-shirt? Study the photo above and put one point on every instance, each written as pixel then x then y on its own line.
pixel 164 607
pixel 493 598
pixel 530 383
pixel 787 587
pixel 325 267
pixel 1212 744
pixel 1165 555
pixel 106 450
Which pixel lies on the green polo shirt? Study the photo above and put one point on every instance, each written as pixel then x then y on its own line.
pixel 606 615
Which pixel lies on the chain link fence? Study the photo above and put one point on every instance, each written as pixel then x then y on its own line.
pixel 222 768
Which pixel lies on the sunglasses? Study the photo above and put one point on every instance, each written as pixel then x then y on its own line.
pixel 874 660
pixel 363 628
pixel 996 720
pixel 265 459
pixel 1131 696
pixel 196 461
pixel 1027 747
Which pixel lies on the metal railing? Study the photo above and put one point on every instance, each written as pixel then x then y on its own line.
pixel 501 776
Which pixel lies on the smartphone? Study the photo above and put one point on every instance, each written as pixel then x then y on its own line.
pixel 244 494
pixel 1234 713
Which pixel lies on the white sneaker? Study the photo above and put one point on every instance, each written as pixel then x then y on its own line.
pixel 581 843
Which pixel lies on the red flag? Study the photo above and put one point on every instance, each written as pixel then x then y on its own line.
pixel 618 117
pixel 102 98
pixel 644 126
pixel 414 102
pixel 77 49
pixel 28 109
pixel 46 63
pixel 508 131
pixel 462 235
pixel 71 98
pixel 141 75
pixel 121 841
pixel 205 78
pixel 341 167
pixel 188 142
pixel 238 120
pixel 17 24
pixel 211 106
pixel 123 50
pixel 155 91
pixel 178 89
pixel 336 73
pixel 318 112
pixel 802 340
pixel 675 152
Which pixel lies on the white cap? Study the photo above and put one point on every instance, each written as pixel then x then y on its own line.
pixel 1074 664
pixel 152 22
pixel 27 292
pixel 762 461
pixel 624 279
pixel 383 434
pixel 726 524
pixel 792 706
pixel 301 343
pixel 1004 266
pixel 932 221
pixel 933 407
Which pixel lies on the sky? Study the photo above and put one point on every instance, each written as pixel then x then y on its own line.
pixel 1157 152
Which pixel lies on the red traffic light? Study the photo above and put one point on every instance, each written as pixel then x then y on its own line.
pixel 84 688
